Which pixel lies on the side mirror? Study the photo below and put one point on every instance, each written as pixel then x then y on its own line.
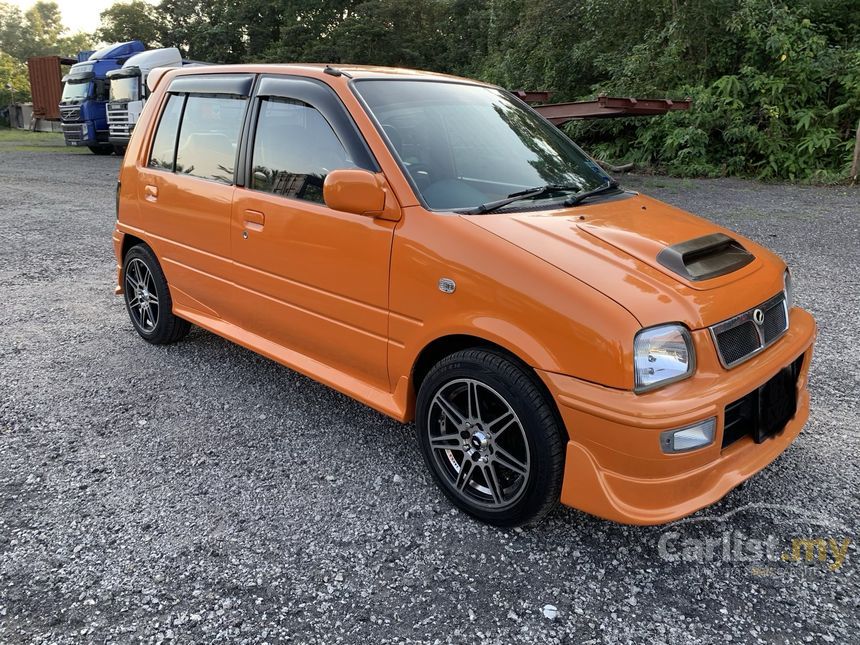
pixel 354 191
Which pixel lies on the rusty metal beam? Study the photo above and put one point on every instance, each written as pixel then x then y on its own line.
pixel 531 97
pixel 609 107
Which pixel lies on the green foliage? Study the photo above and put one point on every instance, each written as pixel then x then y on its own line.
pixel 785 106
pixel 14 80
pixel 38 31
pixel 775 83
pixel 209 31
pixel 135 20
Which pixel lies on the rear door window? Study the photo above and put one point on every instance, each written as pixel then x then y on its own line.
pixel 164 146
pixel 294 149
pixel 209 137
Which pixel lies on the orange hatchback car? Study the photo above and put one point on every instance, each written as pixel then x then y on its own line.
pixel 433 247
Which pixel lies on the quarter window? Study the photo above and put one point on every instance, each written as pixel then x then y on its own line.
pixel 164 146
pixel 209 137
pixel 294 149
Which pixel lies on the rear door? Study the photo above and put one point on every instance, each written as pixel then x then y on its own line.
pixel 311 279
pixel 187 188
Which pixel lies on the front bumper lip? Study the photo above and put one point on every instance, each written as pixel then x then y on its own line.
pixel 614 465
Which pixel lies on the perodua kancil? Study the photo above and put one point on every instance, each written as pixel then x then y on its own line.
pixel 433 247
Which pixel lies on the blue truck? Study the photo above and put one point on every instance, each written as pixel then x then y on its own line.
pixel 86 93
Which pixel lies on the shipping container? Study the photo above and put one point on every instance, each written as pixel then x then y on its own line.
pixel 46 85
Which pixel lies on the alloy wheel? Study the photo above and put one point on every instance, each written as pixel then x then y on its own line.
pixel 478 443
pixel 141 295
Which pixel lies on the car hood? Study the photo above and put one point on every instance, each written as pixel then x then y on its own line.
pixel 615 247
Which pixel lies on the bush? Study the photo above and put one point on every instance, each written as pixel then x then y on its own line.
pixel 788 112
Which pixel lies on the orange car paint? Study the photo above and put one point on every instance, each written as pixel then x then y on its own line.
pixel 352 300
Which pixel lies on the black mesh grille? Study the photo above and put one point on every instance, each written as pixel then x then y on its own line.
pixel 774 322
pixel 737 342
pixel 740 337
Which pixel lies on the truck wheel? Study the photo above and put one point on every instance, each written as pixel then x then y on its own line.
pixel 119 150
pixel 101 150
pixel 147 298
pixel 490 437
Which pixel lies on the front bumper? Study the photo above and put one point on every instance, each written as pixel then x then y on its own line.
pixel 615 467
pixel 83 134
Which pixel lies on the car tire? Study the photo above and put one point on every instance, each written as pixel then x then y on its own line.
pixel 147 298
pixel 491 437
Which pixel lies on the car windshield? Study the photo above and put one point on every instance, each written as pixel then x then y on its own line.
pixel 75 91
pixel 464 145
pixel 124 88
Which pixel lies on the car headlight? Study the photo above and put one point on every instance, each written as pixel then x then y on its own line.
pixel 662 355
pixel 788 288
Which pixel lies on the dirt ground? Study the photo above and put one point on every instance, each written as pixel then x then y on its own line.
pixel 201 493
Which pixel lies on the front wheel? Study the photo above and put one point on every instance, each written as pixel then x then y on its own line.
pixel 101 150
pixel 490 437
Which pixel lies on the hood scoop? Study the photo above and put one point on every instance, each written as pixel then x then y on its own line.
pixel 706 257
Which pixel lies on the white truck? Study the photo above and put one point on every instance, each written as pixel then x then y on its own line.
pixel 128 90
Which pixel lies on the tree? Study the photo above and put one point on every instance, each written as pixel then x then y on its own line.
pixel 43 27
pixel 13 73
pixel 206 30
pixel 304 29
pixel 11 28
pixel 135 20
pixel 37 32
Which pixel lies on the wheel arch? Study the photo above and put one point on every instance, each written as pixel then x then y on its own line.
pixel 128 241
pixel 444 346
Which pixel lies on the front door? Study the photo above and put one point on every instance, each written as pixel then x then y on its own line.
pixel 312 279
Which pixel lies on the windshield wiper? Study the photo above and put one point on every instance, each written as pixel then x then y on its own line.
pixel 605 188
pixel 528 193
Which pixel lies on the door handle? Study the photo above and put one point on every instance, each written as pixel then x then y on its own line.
pixel 150 193
pixel 254 220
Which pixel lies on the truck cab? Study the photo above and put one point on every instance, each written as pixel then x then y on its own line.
pixel 85 95
pixel 128 91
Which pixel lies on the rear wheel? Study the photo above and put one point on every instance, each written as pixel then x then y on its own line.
pixel 490 437
pixel 101 150
pixel 147 298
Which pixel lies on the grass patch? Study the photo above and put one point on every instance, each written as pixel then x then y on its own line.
pixel 13 138
pixel 53 149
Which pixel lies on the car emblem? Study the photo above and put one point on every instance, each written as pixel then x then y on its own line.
pixel 758 317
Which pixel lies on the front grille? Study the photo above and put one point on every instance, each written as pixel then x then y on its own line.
pixel 741 337
pixel 750 416
pixel 119 131
pixel 775 323
pixel 737 342
pixel 73 131
pixel 740 418
pixel 119 121
pixel 70 113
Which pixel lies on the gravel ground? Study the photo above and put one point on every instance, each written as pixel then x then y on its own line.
pixel 202 493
